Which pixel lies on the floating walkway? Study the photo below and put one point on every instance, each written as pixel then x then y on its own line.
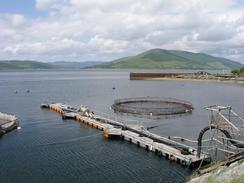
pixel 162 146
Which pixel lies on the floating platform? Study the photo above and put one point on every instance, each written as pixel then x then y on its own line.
pixel 162 146
pixel 7 123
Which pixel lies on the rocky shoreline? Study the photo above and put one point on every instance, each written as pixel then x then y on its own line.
pixel 234 173
pixel 200 76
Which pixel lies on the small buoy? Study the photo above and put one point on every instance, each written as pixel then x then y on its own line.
pixel 114 88
pixel 19 127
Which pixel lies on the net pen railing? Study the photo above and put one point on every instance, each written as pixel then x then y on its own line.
pixel 152 106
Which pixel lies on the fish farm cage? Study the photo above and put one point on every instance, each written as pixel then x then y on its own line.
pixel 152 106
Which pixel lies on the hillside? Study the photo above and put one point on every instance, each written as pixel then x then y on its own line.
pixel 170 59
pixel 27 64
pixel 17 64
pixel 75 65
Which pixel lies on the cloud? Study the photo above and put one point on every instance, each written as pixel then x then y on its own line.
pixel 45 4
pixel 108 29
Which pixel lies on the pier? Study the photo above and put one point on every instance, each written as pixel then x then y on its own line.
pixel 138 135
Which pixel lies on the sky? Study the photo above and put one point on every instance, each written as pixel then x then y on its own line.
pixel 104 30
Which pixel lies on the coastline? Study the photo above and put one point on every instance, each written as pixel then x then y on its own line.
pixel 232 173
pixel 193 79
pixel 198 77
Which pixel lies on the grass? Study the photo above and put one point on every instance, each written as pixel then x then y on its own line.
pixel 240 161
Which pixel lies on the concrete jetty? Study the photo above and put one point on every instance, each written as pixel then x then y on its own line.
pixel 162 146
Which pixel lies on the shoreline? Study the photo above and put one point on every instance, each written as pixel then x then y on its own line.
pixel 192 79
pixel 197 77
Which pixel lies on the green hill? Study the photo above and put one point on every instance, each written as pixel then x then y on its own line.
pixel 170 59
pixel 27 64
pixel 20 64
pixel 75 65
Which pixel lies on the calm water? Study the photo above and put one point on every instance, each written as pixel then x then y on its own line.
pixel 48 149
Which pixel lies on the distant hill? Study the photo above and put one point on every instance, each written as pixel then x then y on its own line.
pixel 21 64
pixel 76 65
pixel 170 59
pixel 27 64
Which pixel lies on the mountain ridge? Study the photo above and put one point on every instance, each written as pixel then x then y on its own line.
pixel 32 64
pixel 24 64
pixel 151 59
pixel 170 59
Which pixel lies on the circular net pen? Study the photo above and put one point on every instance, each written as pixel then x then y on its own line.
pixel 152 106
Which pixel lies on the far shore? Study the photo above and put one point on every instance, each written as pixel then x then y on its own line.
pixel 192 79
pixel 198 77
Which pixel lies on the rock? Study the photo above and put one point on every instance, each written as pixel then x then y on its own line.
pixel 233 173
pixel 220 169
pixel 233 164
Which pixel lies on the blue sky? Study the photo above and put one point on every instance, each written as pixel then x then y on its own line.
pixel 80 30
pixel 25 7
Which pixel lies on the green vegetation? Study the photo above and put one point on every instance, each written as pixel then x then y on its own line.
pixel 170 59
pixel 214 179
pixel 241 161
pixel 152 59
pixel 27 64
pixel 238 72
pixel 17 64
